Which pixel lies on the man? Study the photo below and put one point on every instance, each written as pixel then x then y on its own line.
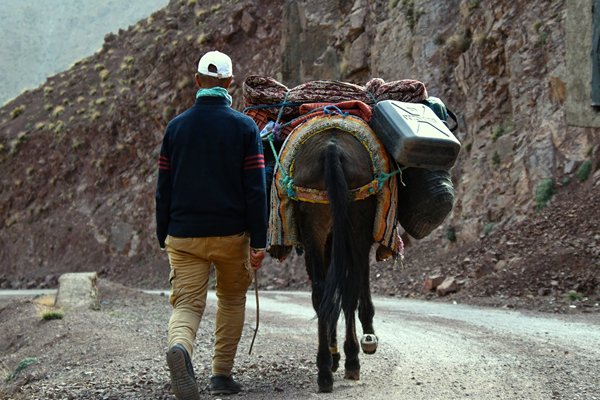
pixel 210 209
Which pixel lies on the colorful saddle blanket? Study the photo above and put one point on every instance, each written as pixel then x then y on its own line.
pixel 283 229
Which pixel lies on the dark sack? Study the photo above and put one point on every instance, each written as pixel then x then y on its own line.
pixel 425 201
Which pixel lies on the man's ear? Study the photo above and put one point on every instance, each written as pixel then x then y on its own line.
pixel 227 83
pixel 198 81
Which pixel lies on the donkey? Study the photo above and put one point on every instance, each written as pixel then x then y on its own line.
pixel 337 239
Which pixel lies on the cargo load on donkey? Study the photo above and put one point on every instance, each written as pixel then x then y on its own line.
pixel 418 138
pixel 411 125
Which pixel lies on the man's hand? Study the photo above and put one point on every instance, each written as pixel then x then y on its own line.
pixel 256 258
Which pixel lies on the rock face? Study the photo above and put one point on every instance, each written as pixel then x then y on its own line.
pixel 507 85
pixel 79 154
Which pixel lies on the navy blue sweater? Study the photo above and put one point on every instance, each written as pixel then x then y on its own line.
pixel 211 178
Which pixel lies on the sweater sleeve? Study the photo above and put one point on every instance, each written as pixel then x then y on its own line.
pixel 163 193
pixel 255 190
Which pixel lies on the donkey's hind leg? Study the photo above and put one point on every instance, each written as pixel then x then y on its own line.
pixel 366 312
pixel 324 357
pixel 333 349
pixel 352 363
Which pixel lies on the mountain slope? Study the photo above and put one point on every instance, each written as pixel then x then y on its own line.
pixel 79 154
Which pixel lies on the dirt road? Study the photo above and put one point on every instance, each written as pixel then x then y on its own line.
pixel 441 351
pixel 427 351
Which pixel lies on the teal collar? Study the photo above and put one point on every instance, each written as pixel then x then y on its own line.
pixel 216 91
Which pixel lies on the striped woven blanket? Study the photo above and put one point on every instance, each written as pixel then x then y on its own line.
pixel 269 94
pixel 283 230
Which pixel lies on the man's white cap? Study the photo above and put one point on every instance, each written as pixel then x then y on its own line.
pixel 217 64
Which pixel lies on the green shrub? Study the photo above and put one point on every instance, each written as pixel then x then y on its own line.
pixel 411 13
pixel 460 41
pixel 58 110
pixel 584 171
pixel 50 315
pixel 75 144
pixel 200 13
pixel 17 111
pixel 574 295
pixel 473 4
pixel 24 363
pixel 544 192
pixel 95 114
pixel 498 131
pixel 16 142
pixel 488 228
pixel 542 38
pixel 104 74
pixel 451 234
pixel 496 159
pixel 59 127
pixel 482 39
pixel 202 38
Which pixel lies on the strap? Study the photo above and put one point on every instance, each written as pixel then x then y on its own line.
pixel 454 118
pixel 318 196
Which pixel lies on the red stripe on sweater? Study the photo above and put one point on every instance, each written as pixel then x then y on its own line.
pixel 257 157
pixel 258 165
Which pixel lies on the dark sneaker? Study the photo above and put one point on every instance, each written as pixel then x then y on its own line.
pixel 183 380
pixel 220 384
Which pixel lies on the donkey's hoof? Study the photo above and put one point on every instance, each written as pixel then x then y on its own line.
pixel 335 357
pixel 353 375
pixel 325 385
pixel 368 343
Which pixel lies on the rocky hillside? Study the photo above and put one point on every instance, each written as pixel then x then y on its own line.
pixel 41 38
pixel 79 153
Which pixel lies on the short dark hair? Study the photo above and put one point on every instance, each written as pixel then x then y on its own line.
pixel 212 80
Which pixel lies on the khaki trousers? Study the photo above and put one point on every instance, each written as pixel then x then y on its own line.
pixel 190 260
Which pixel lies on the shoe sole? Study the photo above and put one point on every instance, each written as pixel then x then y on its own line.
pixel 223 391
pixel 182 384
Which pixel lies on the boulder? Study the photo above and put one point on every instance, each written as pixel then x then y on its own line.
pixel 77 290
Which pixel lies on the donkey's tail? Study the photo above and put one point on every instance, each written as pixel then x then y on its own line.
pixel 342 284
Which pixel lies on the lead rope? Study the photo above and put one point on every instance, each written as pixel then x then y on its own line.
pixel 257 312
